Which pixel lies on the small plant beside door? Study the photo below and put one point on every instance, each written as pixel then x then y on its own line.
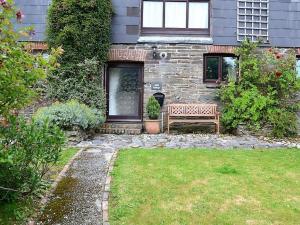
pixel 152 125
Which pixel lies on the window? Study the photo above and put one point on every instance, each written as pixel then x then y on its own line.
pixel 298 65
pixel 252 20
pixel 175 17
pixel 220 68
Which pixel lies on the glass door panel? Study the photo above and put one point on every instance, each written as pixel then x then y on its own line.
pixel 124 92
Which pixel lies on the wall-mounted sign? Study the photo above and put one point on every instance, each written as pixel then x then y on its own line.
pixel 156 86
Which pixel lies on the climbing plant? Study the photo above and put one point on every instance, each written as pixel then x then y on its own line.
pixel 265 93
pixel 82 28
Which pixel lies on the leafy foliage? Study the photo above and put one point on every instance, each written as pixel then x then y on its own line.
pixel 26 152
pixel 85 84
pixel 71 115
pixel 265 95
pixel 82 28
pixel 19 69
pixel 153 108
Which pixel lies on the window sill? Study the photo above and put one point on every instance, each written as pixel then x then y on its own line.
pixel 175 40
pixel 212 85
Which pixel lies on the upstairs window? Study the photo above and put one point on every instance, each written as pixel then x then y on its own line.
pixel 219 68
pixel 175 17
pixel 253 20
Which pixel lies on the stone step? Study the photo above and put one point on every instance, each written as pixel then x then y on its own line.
pixel 120 131
pixel 122 128
pixel 124 125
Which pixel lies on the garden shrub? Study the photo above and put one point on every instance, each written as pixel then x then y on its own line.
pixel 265 93
pixel 70 116
pixel 153 108
pixel 82 28
pixel 26 152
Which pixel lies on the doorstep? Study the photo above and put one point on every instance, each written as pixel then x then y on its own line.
pixel 132 128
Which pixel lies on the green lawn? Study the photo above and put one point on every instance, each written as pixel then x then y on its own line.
pixel 17 212
pixel 206 187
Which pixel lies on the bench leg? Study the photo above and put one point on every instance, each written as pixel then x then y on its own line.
pixel 218 128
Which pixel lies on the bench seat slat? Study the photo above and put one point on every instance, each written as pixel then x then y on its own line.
pixel 194 115
pixel 193 121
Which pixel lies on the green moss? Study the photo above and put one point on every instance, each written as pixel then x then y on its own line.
pixel 58 207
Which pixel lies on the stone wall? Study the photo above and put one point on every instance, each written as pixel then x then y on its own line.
pixel 180 73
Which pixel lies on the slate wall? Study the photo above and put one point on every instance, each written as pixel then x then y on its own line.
pixel 284 25
pixel 35 12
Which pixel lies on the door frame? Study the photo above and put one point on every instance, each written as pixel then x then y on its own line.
pixel 123 64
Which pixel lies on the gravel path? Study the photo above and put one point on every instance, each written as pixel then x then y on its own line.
pixel 78 197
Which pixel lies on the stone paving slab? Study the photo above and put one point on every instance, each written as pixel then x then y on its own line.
pixel 186 141
pixel 78 197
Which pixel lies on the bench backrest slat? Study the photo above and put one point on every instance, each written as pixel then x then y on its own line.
pixel 203 110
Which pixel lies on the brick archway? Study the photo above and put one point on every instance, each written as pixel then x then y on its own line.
pixel 128 55
pixel 221 49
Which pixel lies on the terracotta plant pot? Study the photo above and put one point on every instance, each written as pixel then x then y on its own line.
pixel 152 126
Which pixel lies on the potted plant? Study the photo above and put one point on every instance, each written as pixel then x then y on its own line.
pixel 152 125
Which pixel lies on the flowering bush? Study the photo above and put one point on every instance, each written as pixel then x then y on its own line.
pixel 265 93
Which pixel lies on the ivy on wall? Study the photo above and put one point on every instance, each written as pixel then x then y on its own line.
pixel 82 29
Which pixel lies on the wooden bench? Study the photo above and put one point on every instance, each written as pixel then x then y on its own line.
pixel 194 113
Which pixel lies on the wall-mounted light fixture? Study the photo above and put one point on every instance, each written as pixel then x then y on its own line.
pixel 154 52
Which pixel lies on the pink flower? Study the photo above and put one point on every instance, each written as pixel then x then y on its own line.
pixel 278 56
pixel 4 4
pixel 19 16
pixel 278 74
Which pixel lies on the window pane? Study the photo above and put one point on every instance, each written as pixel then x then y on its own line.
pixel 212 68
pixel 152 14
pixel 198 15
pixel 229 68
pixel 175 15
pixel 298 67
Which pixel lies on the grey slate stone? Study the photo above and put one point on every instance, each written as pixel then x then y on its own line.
pixel 284 21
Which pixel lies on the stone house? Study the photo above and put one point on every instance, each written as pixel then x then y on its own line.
pixel 180 48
